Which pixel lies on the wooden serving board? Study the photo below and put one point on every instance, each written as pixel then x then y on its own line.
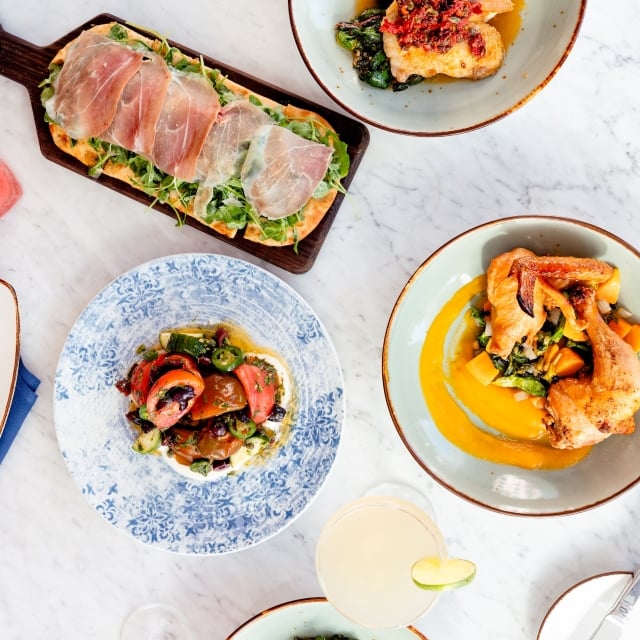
pixel 28 64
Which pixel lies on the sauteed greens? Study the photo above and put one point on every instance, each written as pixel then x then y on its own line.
pixel 529 368
pixel 362 37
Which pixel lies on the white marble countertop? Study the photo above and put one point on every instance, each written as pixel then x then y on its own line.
pixel 572 151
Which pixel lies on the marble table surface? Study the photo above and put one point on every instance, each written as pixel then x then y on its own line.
pixel 572 151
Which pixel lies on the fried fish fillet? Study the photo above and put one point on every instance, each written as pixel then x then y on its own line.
pixel 457 62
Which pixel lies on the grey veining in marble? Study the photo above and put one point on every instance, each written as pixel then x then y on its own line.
pixel 573 150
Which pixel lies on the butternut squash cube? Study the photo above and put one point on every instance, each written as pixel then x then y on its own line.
pixel 620 326
pixel 567 362
pixel 482 368
pixel 633 337
pixel 610 289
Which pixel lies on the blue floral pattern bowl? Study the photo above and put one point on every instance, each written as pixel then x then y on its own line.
pixel 143 495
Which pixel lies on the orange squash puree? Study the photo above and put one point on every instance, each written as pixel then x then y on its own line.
pixel 519 438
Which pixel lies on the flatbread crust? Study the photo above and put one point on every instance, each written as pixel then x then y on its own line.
pixel 312 213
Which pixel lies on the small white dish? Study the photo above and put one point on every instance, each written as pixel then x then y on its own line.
pixel 9 348
pixel 610 468
pixel 143 495
pixel 577 612
pixel 310 617
pixel 549 30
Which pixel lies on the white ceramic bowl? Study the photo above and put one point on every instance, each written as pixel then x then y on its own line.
pixel 549 30
pixel 607 471
pixel 311 617
pixel 579 610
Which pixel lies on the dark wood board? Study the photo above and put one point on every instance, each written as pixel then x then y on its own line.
pixel 27 64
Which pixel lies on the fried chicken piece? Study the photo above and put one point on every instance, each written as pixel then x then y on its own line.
pixel 509 323
pixel 560 271
pixel 521 296
pixel 585 411
pixel 459 61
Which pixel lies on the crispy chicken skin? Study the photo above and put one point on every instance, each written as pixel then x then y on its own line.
pixel 559 271
pixel 585 411
pixel 510 324
pixel 458 61
pixel 522 287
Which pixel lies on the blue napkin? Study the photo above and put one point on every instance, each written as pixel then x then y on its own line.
pixel 24 397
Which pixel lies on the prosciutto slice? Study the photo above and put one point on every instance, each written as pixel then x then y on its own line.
pixel 88 88
pixel 227 143
pixel 282 170
pixel 226 147
pixel 190 108
pixel 134 124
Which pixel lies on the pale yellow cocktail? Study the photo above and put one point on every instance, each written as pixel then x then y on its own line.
pixel 364 558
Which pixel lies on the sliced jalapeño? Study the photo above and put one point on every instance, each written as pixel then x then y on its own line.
pixel 242 427
pixel 227 358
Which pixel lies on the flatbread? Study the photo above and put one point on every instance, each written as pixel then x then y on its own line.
pixel 311 214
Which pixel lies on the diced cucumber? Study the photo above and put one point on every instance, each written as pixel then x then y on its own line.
pixel 165 335
pixel 193 344
pixel 148 441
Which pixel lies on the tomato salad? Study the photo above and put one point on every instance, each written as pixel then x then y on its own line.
pixel 205 401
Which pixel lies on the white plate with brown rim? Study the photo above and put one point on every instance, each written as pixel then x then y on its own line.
pixel 578 611
pixel 608 470
pixel 544 36
pixel 9 348
pixel 311 618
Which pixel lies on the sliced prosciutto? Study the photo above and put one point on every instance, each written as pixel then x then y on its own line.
pixel 190 107
pixel 227 143
pixel 86 92
pixel 134 124
pixel 282 170
pixel 225 148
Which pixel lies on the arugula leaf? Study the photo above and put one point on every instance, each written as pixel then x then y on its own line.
pixel 47 86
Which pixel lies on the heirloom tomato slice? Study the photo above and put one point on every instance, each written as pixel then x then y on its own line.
pixel 172 396
pixel 260 385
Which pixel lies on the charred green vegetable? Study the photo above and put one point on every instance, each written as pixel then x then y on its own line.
pixel 362 37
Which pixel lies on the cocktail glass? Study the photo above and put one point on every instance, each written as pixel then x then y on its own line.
pixel 155 621
pixel 364 557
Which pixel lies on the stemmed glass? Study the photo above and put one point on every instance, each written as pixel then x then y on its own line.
pixel 155 621
pixel 365 553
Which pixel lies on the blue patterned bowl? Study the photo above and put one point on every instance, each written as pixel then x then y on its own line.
pixel 143 495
